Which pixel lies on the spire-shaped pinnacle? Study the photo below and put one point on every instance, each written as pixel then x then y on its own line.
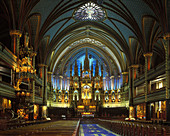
pixel 86 62
pixel 80 69
pixel 92 69
pixel 70 70
pixel 75 69
pixel 96 69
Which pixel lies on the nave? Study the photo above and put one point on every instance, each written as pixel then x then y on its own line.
pixel 63 60
pixel 89 127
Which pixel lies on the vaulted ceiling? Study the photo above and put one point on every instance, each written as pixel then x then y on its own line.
pixel 130 29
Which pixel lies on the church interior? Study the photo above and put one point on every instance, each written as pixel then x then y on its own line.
pixel 75 60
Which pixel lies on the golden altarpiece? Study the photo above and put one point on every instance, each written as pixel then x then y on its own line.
pixel 87 90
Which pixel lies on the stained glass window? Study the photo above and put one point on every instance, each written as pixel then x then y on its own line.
pixel 89 12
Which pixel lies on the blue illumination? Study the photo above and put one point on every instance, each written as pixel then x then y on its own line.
pixel 72 74
pixel 100 73
pixel 94 66
pixel 58 84
pixel 94 129
pixel 78 64
pixel 80 61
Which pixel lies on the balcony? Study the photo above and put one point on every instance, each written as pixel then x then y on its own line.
pixel 7 90
pixel 153 73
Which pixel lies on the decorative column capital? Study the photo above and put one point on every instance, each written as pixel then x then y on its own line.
pixel 34 54
pixel 15 32
pixel 133 66
pixel 112 77
pixel 149 54
pixel 42 65
pixel 61 76
pixel 125 73
pixel 50 73
pixel 166 36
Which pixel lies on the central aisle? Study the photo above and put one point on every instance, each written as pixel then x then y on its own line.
pixel 94 130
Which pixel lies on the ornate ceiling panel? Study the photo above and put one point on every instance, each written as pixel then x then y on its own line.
pixel 118 24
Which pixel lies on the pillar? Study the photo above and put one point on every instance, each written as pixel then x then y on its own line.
pixel 125 77
pixel 107 79
pixel 51 87
pixel 15 41
pixel 147 68
pixel 116 83
pixel 54 82
pixel 61 81
pixel 33 82
pixel 40 70
pixel 135 67
pixel 132 76
pixel 167 73
pixel 125 81
pixel 130 86
pixel 119 82
pixel 112 82
pixel 45 85
pixel 43 75
pixel 167 63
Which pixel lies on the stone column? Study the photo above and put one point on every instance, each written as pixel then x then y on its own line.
pixel 131 108
pixel 147 68
pixel 108 87
pixel 43 75
pixel 132 76
pixel 135 67
pixel 116 83
pixel 53 81
pixel 33 82
pixel 125 80
pixel 15 41
pixel 125 77
pixel 61 81
pixel 45 85
pixel 112 82
pixel 130 86
pixel 167 73
pixel 167 63
pixel 40 70
pixel 51 87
